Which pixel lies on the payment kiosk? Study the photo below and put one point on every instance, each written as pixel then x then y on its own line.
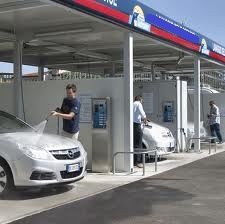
pixel 101 135
pixel 168 111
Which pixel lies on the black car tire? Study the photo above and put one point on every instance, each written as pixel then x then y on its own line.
pixel 6 183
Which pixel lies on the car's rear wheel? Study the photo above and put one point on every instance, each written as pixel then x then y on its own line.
pixel 6 179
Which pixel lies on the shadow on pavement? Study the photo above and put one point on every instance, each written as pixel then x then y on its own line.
pixel 34 193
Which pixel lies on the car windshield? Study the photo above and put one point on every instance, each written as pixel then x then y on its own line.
pixel 9 123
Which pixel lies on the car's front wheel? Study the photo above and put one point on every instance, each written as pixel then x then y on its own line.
pixel 6 179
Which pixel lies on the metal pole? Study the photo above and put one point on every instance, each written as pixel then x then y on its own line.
pixel 143 161
pixel 197 103
pixel 178 120
pixel 153 72
pixel 209 146
pixel 128 100
pixel 183 114
pixel 114 163
pixel 18 103
pixel 40 73
pixel 156 159
pixel 57 125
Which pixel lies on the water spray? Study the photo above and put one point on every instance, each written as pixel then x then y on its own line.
pixel 41 127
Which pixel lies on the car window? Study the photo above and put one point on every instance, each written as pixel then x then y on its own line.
pixel 8 123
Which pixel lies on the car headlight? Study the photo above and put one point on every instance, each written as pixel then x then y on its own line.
pixel 81 148
pixel 35 152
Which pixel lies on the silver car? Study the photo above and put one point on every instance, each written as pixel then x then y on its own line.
pixel 158 137
pixel 29 158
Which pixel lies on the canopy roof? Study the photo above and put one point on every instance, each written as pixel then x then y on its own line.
pixel 87 35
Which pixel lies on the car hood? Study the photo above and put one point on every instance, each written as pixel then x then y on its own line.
pixel 155 135
pixel 46 141
pixel 156 127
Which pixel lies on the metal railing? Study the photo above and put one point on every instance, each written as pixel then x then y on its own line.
pixel 137 152
pixel 204 139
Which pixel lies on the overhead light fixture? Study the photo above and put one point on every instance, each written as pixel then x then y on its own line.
pixel 76 63
pixel 63 32
pixel 92 54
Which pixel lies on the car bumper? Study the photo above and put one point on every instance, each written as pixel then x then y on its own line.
pixel 27 171
pixel 165 150
pixel 164 146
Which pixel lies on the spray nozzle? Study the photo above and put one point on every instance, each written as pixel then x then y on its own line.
pixel 57 109
pixel 47 118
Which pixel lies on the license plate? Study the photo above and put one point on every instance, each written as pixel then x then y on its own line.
pixel 73 168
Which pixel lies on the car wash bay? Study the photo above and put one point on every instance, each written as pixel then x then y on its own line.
pixel 70 36
pixel 53 35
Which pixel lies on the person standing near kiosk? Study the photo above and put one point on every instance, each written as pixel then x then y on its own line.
pixel 138 116
pixel 70 112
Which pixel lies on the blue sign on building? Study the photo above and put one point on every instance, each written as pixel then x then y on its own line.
pixel 136 15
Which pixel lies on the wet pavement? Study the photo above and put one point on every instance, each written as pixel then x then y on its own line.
pixel 193 193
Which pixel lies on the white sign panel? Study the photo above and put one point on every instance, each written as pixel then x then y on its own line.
pixel 148 103
pixel 85 110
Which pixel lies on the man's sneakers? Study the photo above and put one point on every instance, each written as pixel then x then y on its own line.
pixel 220 142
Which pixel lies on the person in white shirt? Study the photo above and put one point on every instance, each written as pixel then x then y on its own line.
pixel 139 116
pixel 214 121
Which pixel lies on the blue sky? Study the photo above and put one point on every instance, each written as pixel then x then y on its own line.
pixel 204 16
pixel 8 67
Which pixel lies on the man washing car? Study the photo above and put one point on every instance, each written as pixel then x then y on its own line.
pixel 70 113
pixel 138 116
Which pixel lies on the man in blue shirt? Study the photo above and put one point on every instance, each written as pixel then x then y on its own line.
pixel 70 112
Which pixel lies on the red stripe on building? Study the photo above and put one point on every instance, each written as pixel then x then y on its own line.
pixel 217 56
pixel 96 6
pixel 173 38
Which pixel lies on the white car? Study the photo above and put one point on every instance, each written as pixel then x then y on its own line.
pixel 29 158
pixel 158 137
pixel 190 130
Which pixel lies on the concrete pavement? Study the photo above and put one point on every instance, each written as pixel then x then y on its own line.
pixel 27 203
